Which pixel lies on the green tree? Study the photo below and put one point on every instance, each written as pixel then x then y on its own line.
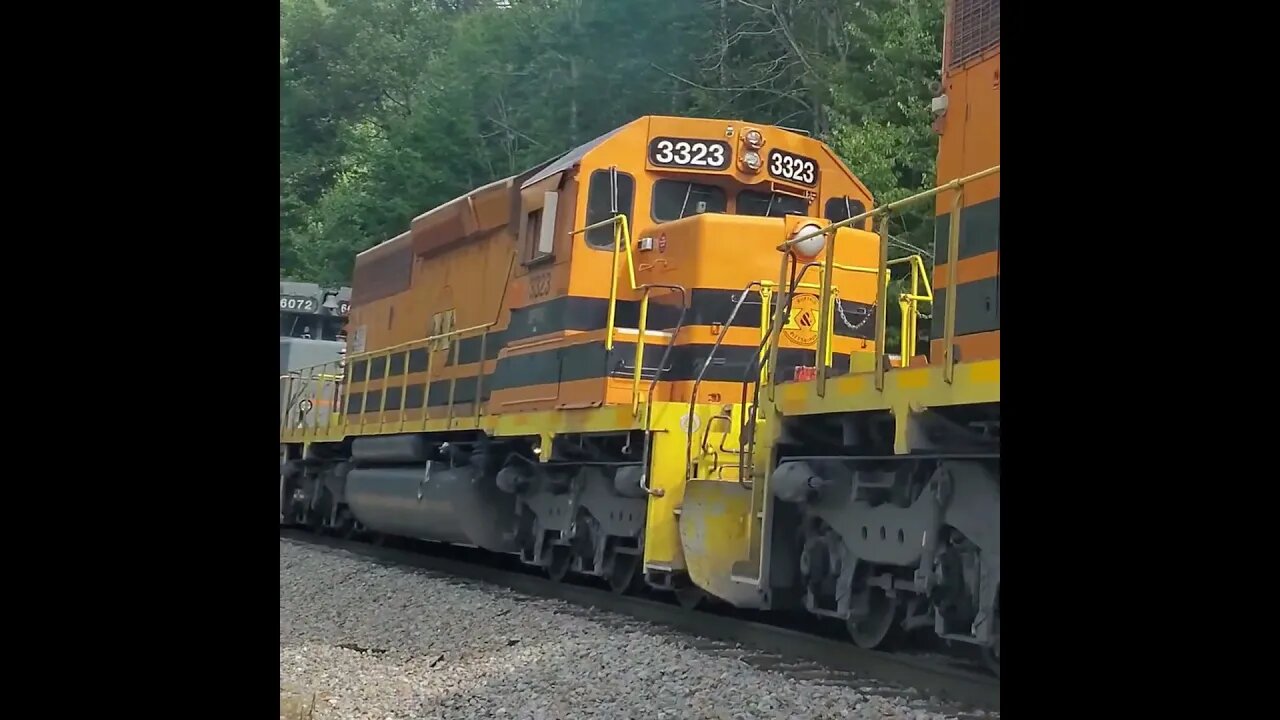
pixel 390 107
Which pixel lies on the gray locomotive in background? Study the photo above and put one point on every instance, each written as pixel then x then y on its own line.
pixel 312 324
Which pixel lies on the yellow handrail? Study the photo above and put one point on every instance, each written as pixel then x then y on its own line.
pixel 621 245
pixel 322 376
pixel 339 416
pixel 886 209
pixel 639 361
pixel 621 240
pixel 427 340
pixel 953 242
pixel 910 304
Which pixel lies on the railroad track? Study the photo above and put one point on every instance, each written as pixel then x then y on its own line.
pixel 801 648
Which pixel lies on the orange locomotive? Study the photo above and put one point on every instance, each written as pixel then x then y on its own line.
pixel 533 364
pixel 698 196
pixel 969 127
pixel 604 367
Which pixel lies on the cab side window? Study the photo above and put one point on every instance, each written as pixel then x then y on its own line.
pixel 608 193
pixel 675 199
pixel 843 208
pixel 771 204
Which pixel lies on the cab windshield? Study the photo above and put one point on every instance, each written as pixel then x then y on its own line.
pixel 751 202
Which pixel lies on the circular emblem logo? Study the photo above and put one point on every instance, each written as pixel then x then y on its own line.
pixel 802 326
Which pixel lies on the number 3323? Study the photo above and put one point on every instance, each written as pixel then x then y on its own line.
pixel 678 152
pixel 792 167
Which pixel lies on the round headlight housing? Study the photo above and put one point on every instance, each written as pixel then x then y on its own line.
pixel 812 244
pixel 751 159
pixel 754 138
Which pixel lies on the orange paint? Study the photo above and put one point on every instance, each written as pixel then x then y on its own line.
pixel 485 255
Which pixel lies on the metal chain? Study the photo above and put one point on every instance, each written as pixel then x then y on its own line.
pixel 866 315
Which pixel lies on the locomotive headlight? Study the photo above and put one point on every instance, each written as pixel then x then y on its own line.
pixel 754 139
pixel 751 159
pixel 810 246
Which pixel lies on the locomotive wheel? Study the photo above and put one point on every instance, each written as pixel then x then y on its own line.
pixel 881 626
pixel 626 570
pixel 561 559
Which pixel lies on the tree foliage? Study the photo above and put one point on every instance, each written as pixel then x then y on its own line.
pixel 390 107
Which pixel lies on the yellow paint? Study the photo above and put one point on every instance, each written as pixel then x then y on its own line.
pixel 713 534
pixel 666 476
pixel 665 416
pixel 719 532
pixel 912 379
pixel 986 373
pixel 861 362
pixel 974 383
pixel 663 545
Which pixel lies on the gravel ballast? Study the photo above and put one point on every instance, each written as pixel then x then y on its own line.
pixel 363 640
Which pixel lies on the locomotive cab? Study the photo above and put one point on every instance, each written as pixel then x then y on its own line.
pixel 702 203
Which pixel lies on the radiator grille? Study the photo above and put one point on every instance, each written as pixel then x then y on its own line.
pixel 975 27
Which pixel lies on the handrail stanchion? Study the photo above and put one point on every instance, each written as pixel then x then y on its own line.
pixel 484 338
pixel 287 402
pixel 613 291
pixel 949 315
pixel 453 381
pixel 404 387
pixel 640 331
pixel 621 240
pixel 364 392
pixel 382 406
pixel 619 236
pixel 912 311
pixel 882 296
pixel 766 299
pixel 426 386
pixel 322 393
pixel 917 272
pixel 314 412
pixel 775 329
pixel 824 317
pixel 347 379
pixel 831 327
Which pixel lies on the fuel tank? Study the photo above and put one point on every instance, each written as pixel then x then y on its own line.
pixel 434 502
